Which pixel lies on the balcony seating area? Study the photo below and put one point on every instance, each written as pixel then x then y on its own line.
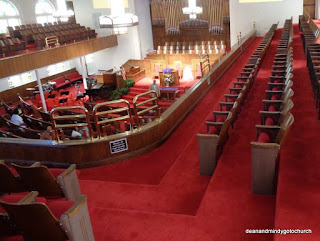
pixel 11 45
pixel 33 36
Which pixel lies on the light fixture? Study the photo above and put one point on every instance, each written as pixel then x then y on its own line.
pixel 119 21
pixel 192 9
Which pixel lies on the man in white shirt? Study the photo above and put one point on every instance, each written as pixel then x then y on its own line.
pixel 155 88
pixel 16 119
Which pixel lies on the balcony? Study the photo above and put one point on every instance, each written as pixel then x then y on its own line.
pixel 34 60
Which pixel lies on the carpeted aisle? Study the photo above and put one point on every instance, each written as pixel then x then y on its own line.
pixel 151 167
pixel 161 196
pixel 298 196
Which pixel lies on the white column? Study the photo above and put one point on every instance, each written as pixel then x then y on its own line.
pixel 317 2
pixel 43 100
pixel 84 71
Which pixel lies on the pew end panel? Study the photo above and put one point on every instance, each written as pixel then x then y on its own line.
pixel 76 221
pixel 263 167
pixel 69 183
pixel 207 145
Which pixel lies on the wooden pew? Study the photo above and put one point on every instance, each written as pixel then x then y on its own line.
pixel 264 158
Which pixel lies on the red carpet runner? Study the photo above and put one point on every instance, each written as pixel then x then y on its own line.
pixel 298 196
pixel 161 196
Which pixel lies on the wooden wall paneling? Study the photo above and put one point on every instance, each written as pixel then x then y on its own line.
pixel 22 63
pixel 86 154
pixel 309 6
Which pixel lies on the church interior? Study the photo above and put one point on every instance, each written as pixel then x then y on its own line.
pixel 159 120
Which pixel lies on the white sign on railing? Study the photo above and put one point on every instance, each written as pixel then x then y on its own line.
pixel 118 146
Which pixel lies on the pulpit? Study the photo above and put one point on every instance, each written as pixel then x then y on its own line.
pixel 109 78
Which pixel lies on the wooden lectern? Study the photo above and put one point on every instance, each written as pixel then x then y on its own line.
pixel 109 78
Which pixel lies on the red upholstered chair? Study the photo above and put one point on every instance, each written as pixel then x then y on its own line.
pixel 51 104
pixel 46 94
pixel 38 100
pixel 54 221
pixel 51 183
pixel 157 69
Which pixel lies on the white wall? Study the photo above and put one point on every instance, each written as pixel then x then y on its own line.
pixel 242 16
pixel 133 45
pixel 128 48
pixel 142 9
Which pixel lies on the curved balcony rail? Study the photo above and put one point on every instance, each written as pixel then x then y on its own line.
pixel 103 111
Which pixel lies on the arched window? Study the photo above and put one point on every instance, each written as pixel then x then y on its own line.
pixel 44 10
pixel 9 15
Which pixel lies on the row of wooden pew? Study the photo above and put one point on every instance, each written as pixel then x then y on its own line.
pixel 312 50
pixel 33 129
pixel 276 119
pixel 310 31
pixel 53 210
pixel 212 141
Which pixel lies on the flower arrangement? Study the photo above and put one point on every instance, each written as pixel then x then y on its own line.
pixel 168 80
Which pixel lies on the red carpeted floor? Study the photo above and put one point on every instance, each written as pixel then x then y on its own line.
pixel 298 196
pixel 161 196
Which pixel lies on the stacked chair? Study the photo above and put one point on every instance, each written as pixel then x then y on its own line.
pixel 212 141
pixel 61 213
pixel 276 119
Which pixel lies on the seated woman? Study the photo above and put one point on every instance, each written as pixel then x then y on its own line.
pixel 16 118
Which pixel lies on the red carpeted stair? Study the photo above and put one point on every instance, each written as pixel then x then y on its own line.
pixel 157 196
pixel 298 196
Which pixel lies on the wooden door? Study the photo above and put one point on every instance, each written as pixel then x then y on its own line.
pixel 309 6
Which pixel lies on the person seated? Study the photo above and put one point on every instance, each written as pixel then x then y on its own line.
pixel 16 118
pixel 76 134
pixel 47 134
pixel 20 110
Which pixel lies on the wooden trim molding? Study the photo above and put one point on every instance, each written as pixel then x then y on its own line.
pixel 141 140
pixel 34 60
